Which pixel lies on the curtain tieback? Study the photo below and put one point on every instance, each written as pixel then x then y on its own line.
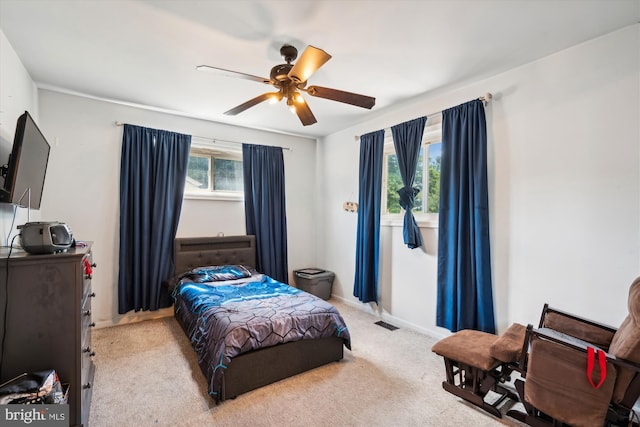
pixel 407 197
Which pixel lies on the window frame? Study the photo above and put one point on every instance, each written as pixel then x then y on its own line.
pixel 220 150
pixel 432 135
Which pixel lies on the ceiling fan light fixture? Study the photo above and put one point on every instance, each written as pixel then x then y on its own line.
pixel 291 104
pixel 297 97
pixel 275 98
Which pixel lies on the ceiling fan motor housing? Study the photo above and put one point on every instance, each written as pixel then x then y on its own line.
pixel 289 53
pixel 279 73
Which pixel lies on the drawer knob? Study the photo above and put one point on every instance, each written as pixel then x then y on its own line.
pixel 94 265
pixel 86 312
pixel 86 386
pixel 92 324
pixel 92 295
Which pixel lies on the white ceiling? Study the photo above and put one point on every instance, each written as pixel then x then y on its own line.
pixel 144 52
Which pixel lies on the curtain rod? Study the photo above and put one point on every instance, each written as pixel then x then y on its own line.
pixel 486 99
pixel 214 140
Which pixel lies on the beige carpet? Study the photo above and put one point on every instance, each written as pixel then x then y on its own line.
pixel 147 375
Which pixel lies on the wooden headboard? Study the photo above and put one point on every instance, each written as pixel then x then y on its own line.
pixel 192 252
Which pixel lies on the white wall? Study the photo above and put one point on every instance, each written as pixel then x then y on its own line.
pixel 564 185
pixel 564 189
pixel 18 94
pixel 82 185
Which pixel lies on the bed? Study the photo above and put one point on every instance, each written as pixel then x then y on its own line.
pixel 247 329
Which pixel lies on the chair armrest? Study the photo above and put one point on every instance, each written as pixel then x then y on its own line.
pixel 508 346
pixel 595 333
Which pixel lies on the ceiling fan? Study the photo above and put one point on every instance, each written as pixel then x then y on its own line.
pixel 291 79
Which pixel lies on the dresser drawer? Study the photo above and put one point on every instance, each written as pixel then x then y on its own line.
pixel 86 351
pixel 87 360
pixel 86 374
pixel 87 389
pixel 87 272
pixel 85 312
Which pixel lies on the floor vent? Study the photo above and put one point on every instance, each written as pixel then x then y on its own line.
pixel 386 325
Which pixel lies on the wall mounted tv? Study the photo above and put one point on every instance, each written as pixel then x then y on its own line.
pixel 24 174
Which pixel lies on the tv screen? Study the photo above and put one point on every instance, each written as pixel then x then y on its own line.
pixel 25 173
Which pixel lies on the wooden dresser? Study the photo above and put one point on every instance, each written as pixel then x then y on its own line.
pixel 48 320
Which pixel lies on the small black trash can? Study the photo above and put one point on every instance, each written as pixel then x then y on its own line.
pixel 315 281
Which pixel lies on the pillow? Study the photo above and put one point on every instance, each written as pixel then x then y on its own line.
pixel 218 273
pixel 233 282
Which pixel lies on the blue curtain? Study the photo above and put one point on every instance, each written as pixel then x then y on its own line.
pixel 407 139
pixel 365 286
pixel 153 171
pixel 465 296
pixel 264 205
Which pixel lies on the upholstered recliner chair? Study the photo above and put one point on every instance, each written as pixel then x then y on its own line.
pixel 579 372
pixel 562 381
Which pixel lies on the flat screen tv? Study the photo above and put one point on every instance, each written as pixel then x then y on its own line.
pixel 27 167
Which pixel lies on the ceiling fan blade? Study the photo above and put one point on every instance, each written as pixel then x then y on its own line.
pixel 342 96
pixel 304 113
pixel 229 73
pixel 250 103
pixel 311 59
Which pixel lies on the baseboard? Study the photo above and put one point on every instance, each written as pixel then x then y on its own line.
pixel 133 317
pixel 389 318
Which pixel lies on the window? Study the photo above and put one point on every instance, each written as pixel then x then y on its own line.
pixel 214 171
pixel 427 174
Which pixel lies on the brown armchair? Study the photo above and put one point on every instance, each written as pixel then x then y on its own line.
pixel 552 362
pixel 558 384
